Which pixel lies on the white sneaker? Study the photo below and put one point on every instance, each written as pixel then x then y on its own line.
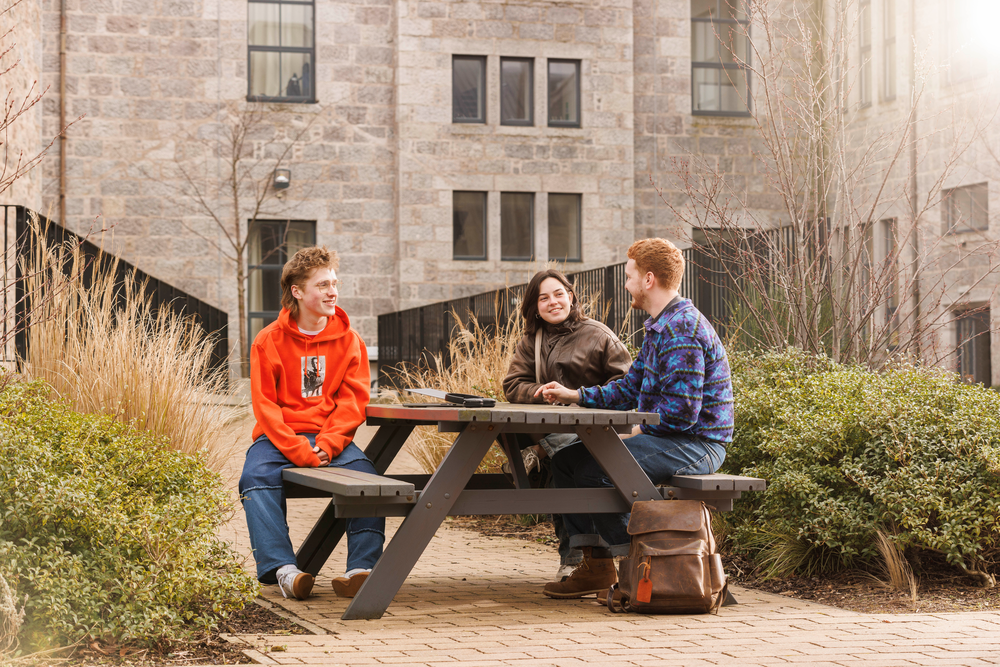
pixel 294 583
pixel 564 571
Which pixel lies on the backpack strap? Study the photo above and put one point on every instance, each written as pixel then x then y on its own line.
pixel 610 601
pixel 538 355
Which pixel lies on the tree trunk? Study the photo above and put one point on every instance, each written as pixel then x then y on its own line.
pixel 241 298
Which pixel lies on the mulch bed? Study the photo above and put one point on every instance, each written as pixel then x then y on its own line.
pixel 213 650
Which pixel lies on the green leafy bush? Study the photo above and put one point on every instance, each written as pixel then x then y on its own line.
pixel 847 452
pixel 108 532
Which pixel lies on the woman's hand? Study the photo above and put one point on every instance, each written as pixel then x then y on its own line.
pixel 553 392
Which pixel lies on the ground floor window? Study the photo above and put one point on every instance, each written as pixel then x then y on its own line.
pixel 271 244
pixel 973 345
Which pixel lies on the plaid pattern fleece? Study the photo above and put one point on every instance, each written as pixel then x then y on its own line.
pixel 681 372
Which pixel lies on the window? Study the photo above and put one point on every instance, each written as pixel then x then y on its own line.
pixel 564 228
pixel 966 209
pixel 281 51
pixel 517 226
pixel 516 85
pixel 469 225
pixel 720 51
pixel 865 54
pixel 889 51
pixel 891 264
pixel 271 243
pixel 564 93
pixel 468 86
pixel 973 346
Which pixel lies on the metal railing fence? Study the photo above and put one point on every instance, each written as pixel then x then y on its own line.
pixel 416 335
pixel 19 247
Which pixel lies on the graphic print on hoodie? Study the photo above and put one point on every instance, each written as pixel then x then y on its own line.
pixel 313 375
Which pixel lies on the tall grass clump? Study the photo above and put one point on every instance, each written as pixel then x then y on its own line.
pixel 909 451
pixel 107 532
pixel 104 349
pixel 480 356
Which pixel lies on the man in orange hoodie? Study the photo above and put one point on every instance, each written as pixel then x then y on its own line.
pixel 309 381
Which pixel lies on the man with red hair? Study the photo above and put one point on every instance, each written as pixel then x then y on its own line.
pixel 682 373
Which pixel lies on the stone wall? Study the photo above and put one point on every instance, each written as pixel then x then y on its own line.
pixel 21 84
pixel 437 156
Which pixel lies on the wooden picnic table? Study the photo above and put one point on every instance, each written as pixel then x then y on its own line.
pixel 455 489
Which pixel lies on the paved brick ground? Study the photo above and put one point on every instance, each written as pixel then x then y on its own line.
pixel 477 601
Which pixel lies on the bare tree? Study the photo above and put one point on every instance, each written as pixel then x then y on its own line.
pixel 842 261
pixel 248 149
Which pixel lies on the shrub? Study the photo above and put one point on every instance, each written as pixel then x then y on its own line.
pixel 848 452
pixel 108 532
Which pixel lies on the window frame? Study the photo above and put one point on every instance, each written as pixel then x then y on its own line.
pixel 966 344
pixel 482 89
pixel 280 255
pixel 864 54
pixel 454 231
pixel 950 223
pixel 579 227
pixel 251 49
pixel 579 92
pixel 531 228
pixel 722 66
pixel 530 122
pixel 889 68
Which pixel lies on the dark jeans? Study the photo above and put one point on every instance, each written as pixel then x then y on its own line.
pixel 263 497
pixel 659 457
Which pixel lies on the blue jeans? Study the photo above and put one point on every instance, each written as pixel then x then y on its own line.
pixel 659 457
pixel 263 498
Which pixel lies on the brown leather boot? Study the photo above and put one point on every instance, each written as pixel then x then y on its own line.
pixel 591 576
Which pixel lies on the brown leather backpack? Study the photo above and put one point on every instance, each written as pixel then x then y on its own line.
pixel 672 565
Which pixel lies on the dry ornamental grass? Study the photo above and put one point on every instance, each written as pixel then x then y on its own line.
pixel 106 351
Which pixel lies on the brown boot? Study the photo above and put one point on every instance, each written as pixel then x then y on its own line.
pixel 591 576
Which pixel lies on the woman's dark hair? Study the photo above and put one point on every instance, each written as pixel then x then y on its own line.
pixel 529 307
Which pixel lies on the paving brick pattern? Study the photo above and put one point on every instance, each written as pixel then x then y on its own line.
pixel 476 600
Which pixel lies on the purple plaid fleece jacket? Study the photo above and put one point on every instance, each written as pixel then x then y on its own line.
pixel 681 372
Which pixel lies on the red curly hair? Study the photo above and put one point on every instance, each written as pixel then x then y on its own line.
pixel 661 258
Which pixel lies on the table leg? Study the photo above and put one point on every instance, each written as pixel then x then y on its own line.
pixel 515 460
pixel 386 443
pixel 623 471
pixel 419 526
pixel 328 531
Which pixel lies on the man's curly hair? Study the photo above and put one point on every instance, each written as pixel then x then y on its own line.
pixel 300 268
pixel 661 258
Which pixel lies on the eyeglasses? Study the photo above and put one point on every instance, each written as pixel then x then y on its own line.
pixel 326 286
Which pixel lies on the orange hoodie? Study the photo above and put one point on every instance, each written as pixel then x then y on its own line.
pixel 309 384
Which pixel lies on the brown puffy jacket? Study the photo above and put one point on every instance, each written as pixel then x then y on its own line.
pixel 574 354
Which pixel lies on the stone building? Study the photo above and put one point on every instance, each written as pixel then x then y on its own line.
pixel 442 147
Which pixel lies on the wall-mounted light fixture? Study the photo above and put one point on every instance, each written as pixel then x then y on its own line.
pixel 282 179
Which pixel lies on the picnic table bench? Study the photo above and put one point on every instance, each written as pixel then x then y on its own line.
pixel 455 490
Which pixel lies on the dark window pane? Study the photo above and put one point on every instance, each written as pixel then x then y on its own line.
pixel 564 228
pixel 258 323
pixel 296 70
pixel 265 289
pixel 468 90
pixel 733 90
pixel 300 235
pixel 967 208
pixel 296 25
pixel 517 238
pixel 264 27
pixel 265 240
pixel 265 73
pixel 564 92
pixel 469 225
pixel 515 92
pixel 974 364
